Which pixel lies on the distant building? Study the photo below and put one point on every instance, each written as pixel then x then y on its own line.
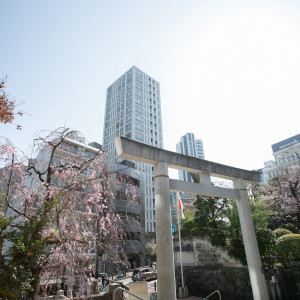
pixel 190 146
pixel 133 110
pixel 287 156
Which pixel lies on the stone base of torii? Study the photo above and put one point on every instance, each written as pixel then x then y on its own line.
pixel 201 170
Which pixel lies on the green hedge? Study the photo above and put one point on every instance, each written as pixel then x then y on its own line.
pixel 280 232
pixel 288 246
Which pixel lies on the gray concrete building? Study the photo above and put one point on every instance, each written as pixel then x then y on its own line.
pixel 189 145
pixel 133 110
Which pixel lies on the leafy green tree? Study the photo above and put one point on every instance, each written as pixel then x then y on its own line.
pixel 151 251
pixel 259 213
pixel 210 211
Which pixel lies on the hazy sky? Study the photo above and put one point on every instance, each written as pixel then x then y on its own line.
pixel 229 71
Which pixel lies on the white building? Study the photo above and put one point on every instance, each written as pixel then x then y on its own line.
pixel 287 156
pixel 188 145
pixel 133 110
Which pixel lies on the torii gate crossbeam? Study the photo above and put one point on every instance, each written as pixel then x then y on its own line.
pixel 201 170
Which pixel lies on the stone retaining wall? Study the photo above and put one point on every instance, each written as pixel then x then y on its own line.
pixel 233 283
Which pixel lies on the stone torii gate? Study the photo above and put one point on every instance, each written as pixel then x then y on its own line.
pixel 201 170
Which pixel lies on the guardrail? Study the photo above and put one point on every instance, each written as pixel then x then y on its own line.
pixel 216 291
pixel 124 290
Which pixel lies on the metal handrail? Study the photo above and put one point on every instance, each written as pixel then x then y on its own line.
pixel 216 291
pixel 119 288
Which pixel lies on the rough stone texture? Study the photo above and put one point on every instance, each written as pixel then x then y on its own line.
pixel 289 281
pixel 205 254
pixel 233 283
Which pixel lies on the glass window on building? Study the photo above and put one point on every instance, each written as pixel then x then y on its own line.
pixel 128 127
pixel 138 94
pixel 139 109
pixel 139 127
pixel 138 72
pixel 139 136
pixel 129 79
pixel 139 102
pixel 139 87
pixel 139 80
pixel 139 118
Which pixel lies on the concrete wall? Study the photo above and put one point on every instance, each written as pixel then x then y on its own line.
pixel 199 251
pixel 233 283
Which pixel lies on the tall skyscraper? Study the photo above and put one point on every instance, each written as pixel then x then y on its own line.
pixel 190 146
pixel 133 110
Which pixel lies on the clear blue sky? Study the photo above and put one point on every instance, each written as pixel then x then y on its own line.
pixel 229 70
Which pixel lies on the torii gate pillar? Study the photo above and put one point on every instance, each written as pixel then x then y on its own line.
pixel 256 273
pixel 166 286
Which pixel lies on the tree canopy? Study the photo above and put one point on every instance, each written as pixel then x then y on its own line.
pixel 53 209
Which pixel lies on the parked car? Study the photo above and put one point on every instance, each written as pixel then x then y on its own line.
pixel 143 273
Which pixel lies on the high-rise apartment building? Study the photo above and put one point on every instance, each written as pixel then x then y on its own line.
pixel 190 146
pixel 133 110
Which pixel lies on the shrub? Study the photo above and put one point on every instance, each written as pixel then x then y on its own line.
pixel 291 227
pixel 280 232
pixel 188 225
pixel 265 240
pixel 218 237
pixel 198 231
pixel 288 246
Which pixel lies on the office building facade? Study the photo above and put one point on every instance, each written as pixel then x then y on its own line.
pixel 133 110
pixel 287 156
pixel 190 146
